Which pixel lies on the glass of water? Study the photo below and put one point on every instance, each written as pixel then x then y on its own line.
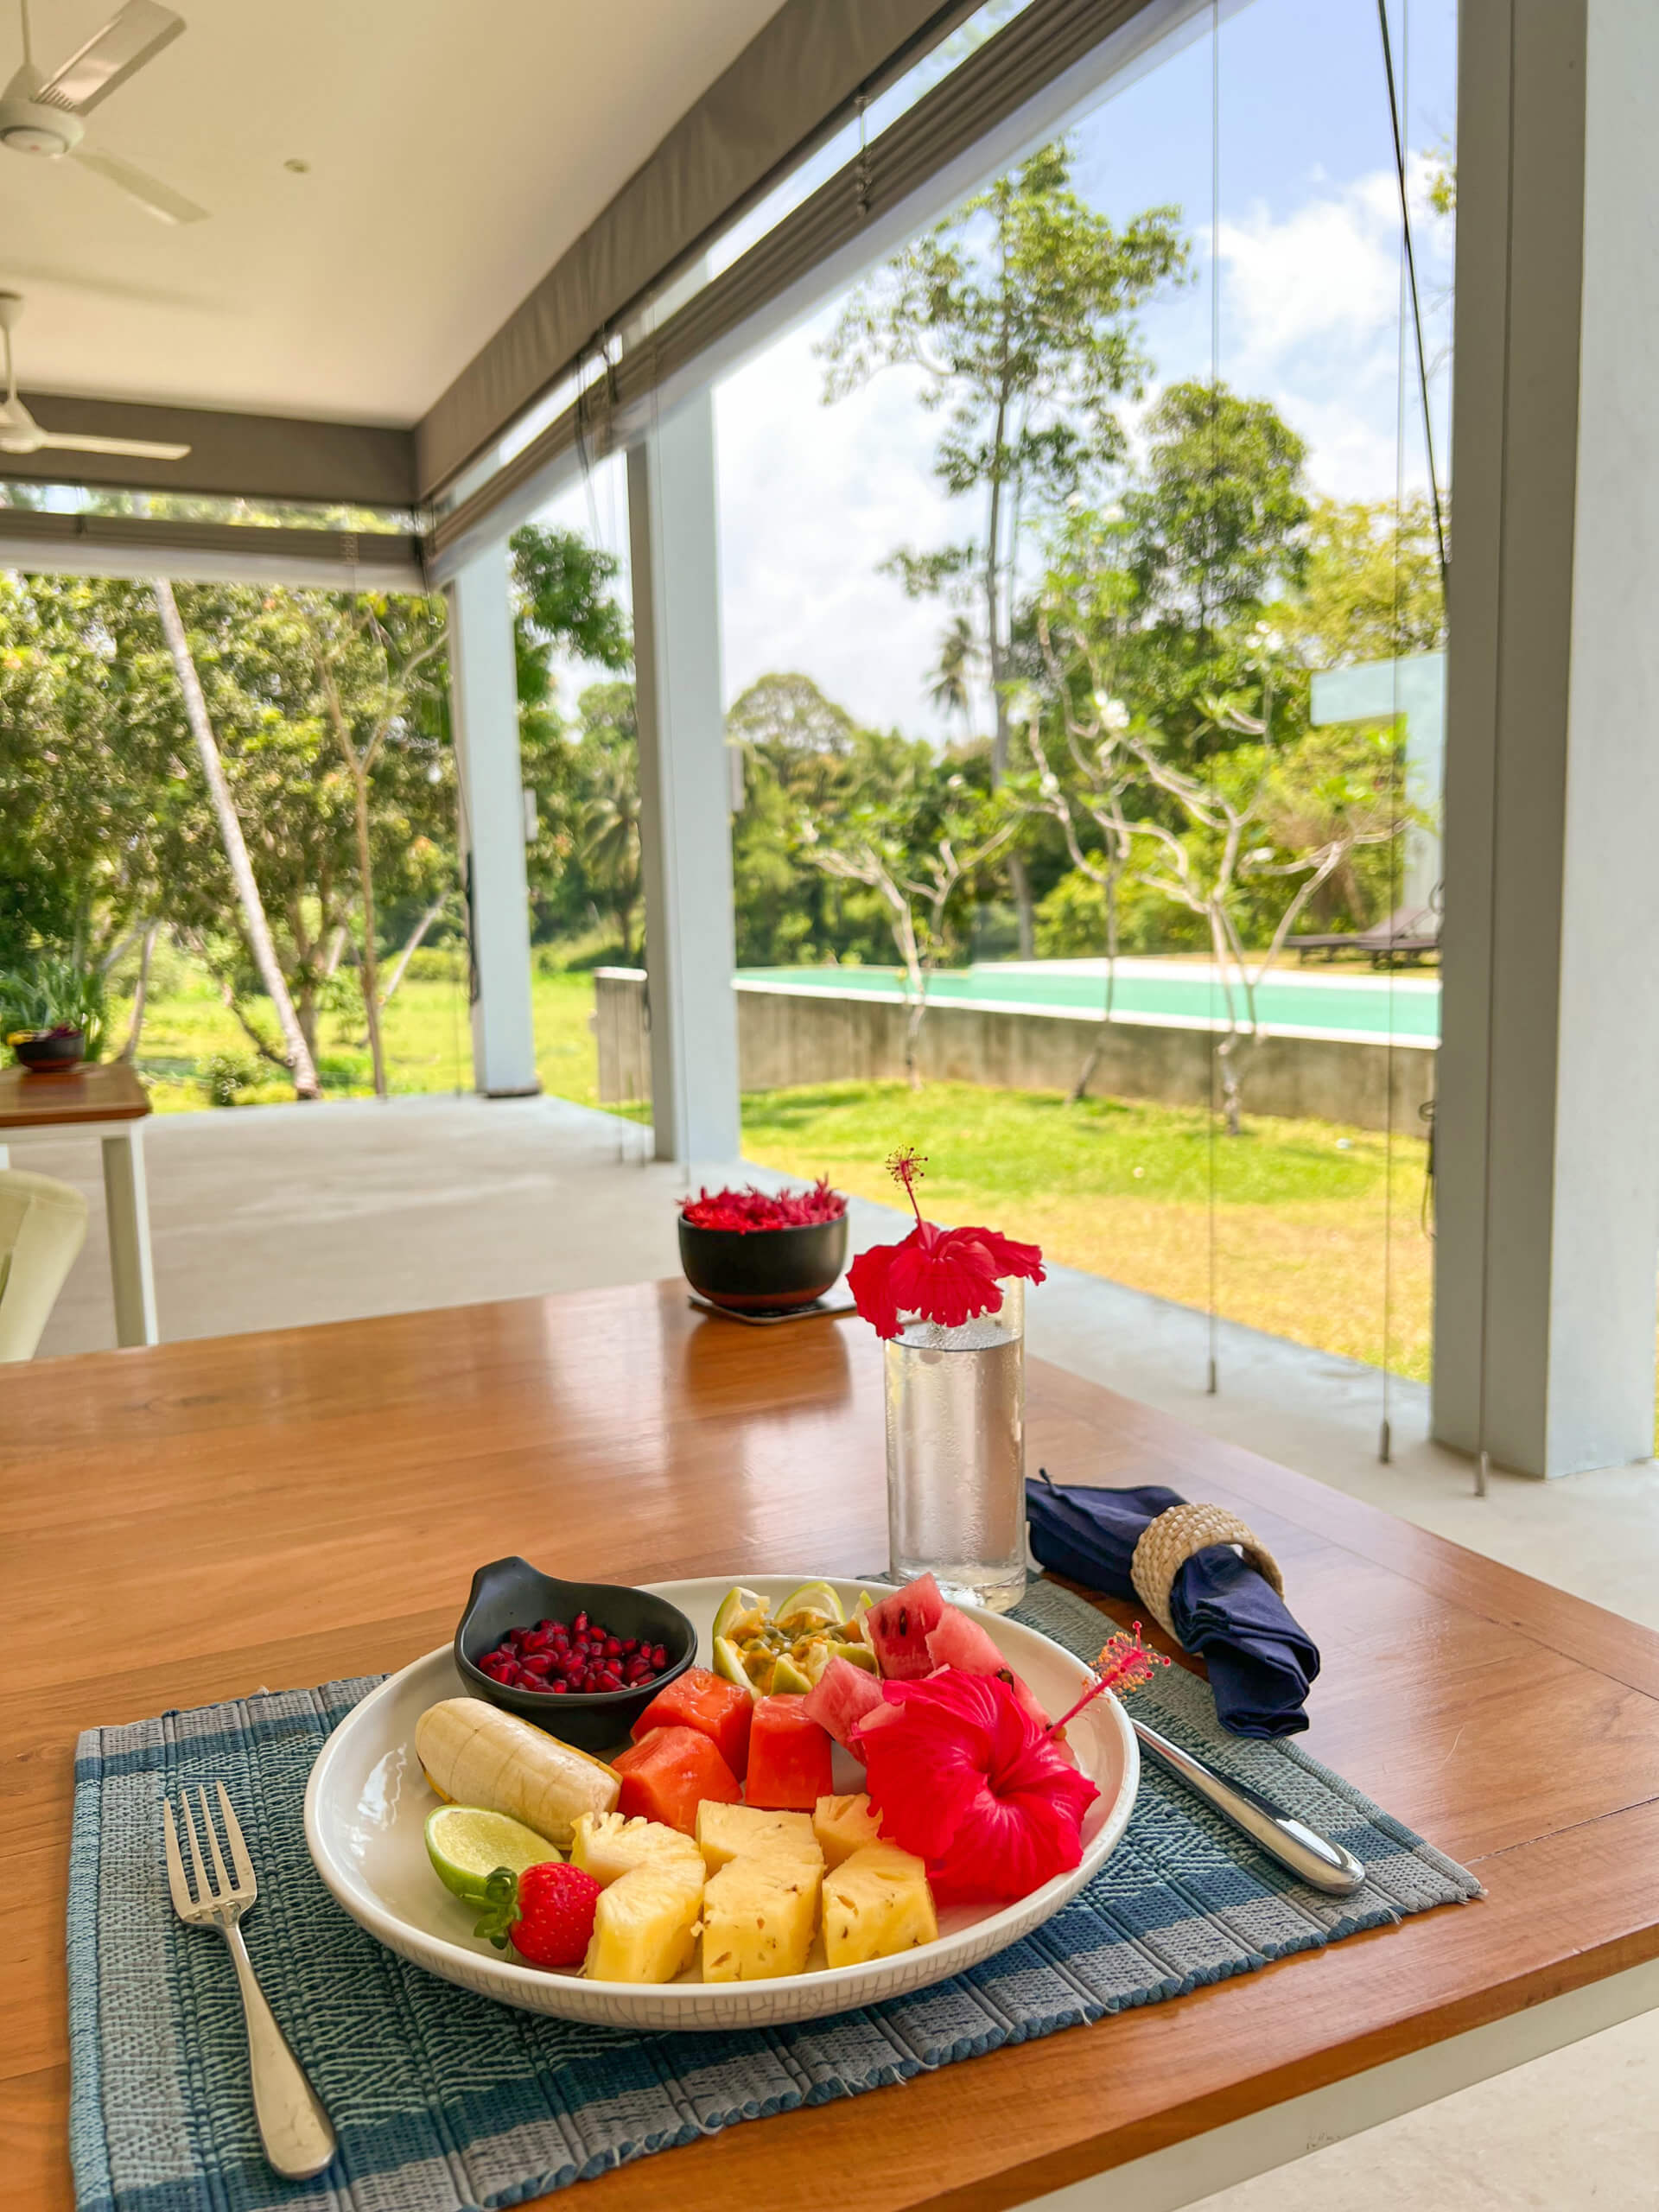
pixel 955 1403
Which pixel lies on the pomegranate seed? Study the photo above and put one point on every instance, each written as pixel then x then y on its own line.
pixel 534 1642
pixel 630 1643
pixel 558 1689
pixel 613 1647
pixel 659 1657
pixel 537 1663
pixel 580 1623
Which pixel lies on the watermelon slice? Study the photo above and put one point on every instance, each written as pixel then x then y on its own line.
pixel 839 1700
pixel 900 1626
pixel 959 1641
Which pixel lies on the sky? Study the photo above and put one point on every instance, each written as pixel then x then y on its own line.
pixel 1307 259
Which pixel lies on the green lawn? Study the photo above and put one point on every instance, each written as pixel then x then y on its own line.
pixel 427 1041
pixel 1302 1214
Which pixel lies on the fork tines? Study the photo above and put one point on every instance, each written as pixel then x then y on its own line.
pixel 220 1889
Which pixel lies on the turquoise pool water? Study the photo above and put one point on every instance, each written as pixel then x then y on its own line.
pixel 1356 1006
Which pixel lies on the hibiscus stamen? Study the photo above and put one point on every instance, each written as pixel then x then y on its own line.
pixel 1124 1664
pixel 907 1167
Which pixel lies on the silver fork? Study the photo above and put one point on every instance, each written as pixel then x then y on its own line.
pixel 294 2128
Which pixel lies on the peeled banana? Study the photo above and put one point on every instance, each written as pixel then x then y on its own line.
pixel 474 1754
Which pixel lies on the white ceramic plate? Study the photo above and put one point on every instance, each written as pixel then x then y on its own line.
pixel 366 1804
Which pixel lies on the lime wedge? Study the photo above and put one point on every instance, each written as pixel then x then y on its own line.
pixel 466 1844
pixel 815 1604
pixel 741 1613
pixel 728 1661
pixel 788 1677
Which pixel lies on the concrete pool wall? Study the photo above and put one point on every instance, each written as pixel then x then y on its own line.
pixel 789 1037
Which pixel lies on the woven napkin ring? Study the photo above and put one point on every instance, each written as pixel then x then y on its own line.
pixel 1168 1542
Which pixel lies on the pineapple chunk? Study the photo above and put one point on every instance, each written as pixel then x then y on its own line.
pixel 608 1848
pixel 875 1903
pixel 842 1826
pixel 759 1915
pixel 728 1832
pixel 645 1927
pixel 645 1922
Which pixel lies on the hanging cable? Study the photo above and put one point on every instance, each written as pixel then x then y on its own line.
pixel 1397 122
pixel 1397 761
pixel 1213 1380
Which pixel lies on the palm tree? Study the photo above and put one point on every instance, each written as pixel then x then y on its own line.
pixel 958 661
pixel 610 833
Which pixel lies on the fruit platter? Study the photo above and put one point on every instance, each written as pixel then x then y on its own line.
pixel 851 1794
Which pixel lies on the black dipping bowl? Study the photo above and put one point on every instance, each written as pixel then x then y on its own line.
pixel 763 1270
pixel 512 1593
pixel 45 1055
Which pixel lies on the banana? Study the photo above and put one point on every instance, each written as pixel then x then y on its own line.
pixel 474 1754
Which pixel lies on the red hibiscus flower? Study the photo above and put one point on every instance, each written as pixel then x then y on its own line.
pixel 962 1775
pixel 947 1275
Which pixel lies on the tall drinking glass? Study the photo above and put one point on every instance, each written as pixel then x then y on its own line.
pixel 957 1453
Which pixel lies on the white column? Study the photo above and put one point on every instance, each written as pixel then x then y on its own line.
pixel 484 701
pixel 684 788
pixel 1548 1166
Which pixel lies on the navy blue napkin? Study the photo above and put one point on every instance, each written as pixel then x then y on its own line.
pixel 1261 1662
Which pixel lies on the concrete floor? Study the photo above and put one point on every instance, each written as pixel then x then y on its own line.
pixel 287 1214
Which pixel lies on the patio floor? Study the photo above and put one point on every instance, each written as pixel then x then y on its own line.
pixel 277 1217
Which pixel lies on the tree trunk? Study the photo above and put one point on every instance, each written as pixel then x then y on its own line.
pixel 1102 1034
pixel 412 947
pixel 129 1052
pixel 1019 881
pixel 365 972
pixel 301 1064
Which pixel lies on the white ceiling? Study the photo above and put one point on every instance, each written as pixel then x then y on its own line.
pixel 455 150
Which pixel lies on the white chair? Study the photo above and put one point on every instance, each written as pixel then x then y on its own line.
pixel 42 1226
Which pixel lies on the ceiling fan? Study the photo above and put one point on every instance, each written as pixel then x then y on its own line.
pixel 20 433
pixel 45 116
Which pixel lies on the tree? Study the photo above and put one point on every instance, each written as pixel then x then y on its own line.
pixel 1369 586
pixel 1016 311
pixel 1249 840
pixel 951 691
pixel 374 658
pixel 1216 526
pixel 81 783
pixel 255 928
pixel 608 815
pixel 915 841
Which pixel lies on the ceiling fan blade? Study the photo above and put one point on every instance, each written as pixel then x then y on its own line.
pixel 139 449
pixel 157 199
pixel 130 38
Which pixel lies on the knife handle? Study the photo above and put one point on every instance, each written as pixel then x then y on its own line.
pixel 1311 1856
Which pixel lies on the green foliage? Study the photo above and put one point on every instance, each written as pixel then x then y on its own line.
pixel 1217 523
pixel 52 990
pixel 1072 921
pixel 1370 585
pixel 225 1075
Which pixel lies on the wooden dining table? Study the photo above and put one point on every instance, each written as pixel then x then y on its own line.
pixel 193 1522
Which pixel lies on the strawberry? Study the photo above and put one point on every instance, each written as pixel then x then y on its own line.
pixel 548 1910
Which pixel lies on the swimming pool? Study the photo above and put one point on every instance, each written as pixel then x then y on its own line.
pixel 1184 994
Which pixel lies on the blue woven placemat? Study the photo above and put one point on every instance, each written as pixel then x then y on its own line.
pixel 444 2100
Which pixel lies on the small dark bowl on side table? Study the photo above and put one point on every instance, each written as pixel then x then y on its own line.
pixel 763 1270
pixel 48 1051
pixel 512 1593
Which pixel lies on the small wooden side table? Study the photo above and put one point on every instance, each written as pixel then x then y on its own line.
pixel 107 1102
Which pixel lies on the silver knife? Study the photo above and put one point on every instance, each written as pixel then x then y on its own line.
pixel 1311 1856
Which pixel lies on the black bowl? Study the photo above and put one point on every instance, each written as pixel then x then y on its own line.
pixel 45 1054
pixel 512 1593
pixel 763 1270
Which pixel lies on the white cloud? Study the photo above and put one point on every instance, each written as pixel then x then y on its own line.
pixel 812 499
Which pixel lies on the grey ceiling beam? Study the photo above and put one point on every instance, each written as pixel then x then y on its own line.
pixel 236 456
